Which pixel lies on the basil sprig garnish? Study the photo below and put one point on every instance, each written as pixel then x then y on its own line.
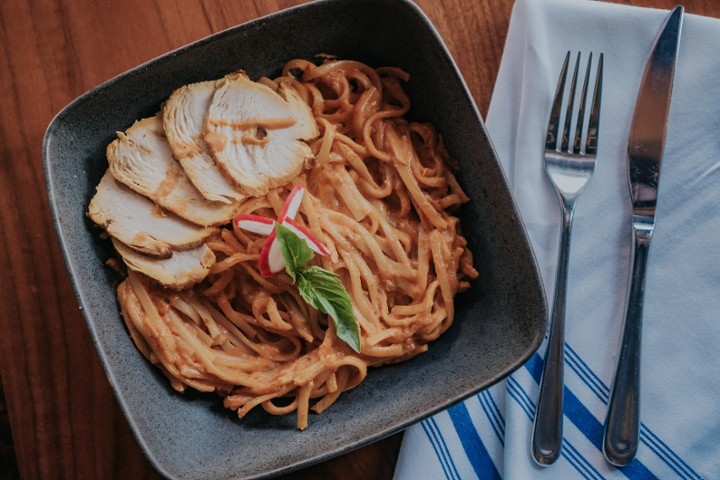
pixel 318 287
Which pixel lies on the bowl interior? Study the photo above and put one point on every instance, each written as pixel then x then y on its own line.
pixel 499 323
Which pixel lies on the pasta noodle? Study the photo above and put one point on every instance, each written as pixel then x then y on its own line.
pixel 379 198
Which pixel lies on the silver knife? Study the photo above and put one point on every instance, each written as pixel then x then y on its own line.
pixel 645 154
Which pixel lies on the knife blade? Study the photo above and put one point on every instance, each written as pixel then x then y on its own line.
pixel 646 145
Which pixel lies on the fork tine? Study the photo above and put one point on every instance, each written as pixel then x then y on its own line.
pixel 551 137
pixel 570 105
pixel 581 113
pixel 594 122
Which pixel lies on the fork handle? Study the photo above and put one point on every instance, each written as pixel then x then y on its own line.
pixel 548 424
pixel 622 423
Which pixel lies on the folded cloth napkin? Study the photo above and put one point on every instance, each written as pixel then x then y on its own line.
pixel 488 435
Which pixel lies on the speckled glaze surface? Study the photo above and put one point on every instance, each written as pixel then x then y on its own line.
pixel 499 324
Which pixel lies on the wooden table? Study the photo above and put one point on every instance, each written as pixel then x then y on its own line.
pixel 64 420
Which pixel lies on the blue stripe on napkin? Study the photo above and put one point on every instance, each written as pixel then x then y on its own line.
pixel 521 396
pixel 575 458
pixel 593 382
pixel 441 449
pixel 472 444
pixel 666 454
pixel 497 422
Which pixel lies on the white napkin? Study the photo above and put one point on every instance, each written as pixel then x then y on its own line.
pixel 488 436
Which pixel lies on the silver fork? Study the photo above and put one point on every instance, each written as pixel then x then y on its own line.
pixel 569 167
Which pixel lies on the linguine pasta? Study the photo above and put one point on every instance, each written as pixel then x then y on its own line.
pixel 379 198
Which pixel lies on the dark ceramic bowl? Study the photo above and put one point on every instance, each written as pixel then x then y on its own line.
pixel 499 323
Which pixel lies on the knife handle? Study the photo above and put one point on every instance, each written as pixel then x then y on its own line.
pixel 622 424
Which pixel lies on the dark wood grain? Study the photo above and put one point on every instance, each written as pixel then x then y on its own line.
pixel 64 420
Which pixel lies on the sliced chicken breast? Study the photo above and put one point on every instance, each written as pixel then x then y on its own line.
pixel 141 159
pixel 184 116
pixel 183 269
pixel 258 136
pixel 139 223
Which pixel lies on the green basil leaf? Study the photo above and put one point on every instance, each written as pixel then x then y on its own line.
pixel 318 287
pixel 324 290
pixel 295 251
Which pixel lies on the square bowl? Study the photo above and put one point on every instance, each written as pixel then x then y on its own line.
pixel 499 323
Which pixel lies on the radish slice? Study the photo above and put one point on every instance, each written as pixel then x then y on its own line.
pixel 271 260
pixel 292 203
pixel 305 234
pixel 254 223
pixel 264 261
pixel 276 262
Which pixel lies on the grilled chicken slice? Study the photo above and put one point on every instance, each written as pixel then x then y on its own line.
pixel 141 224
pixel 141 159
pixel 183 269
pixel 184 116
pixel 258 136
